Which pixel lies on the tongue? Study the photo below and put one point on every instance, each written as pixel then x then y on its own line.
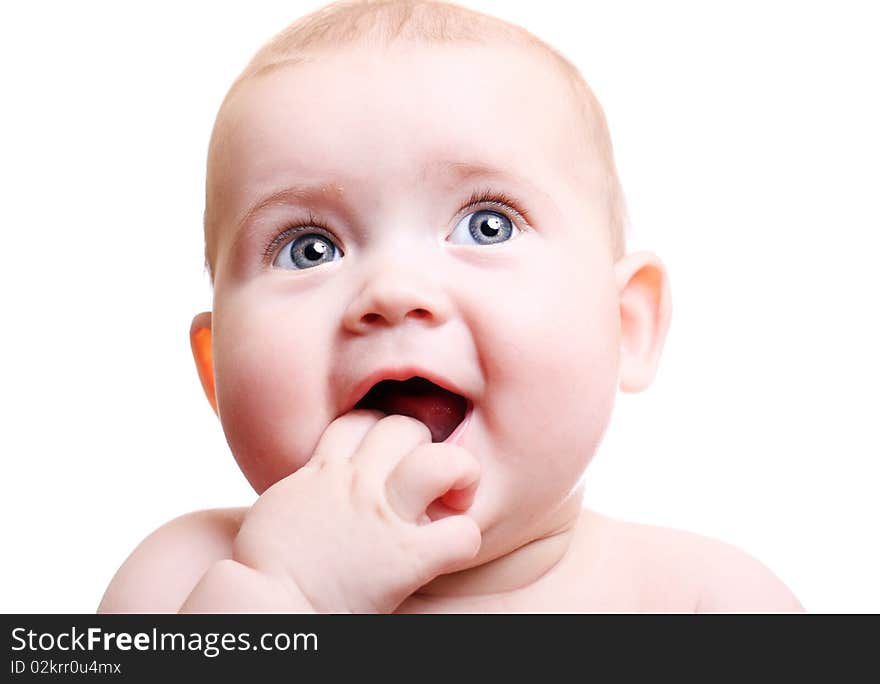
pixel 418 398
pixel 440 412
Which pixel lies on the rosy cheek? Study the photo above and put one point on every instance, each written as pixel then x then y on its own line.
pixel 261 405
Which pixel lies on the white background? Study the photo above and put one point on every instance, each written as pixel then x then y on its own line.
pixel 747 140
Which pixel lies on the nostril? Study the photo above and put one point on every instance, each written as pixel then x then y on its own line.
pixel 415 313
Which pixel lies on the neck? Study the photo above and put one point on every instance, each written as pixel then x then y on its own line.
pixel 515 570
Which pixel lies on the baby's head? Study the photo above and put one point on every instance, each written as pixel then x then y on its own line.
pixel 413 188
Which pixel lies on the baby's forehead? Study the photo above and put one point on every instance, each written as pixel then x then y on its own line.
pixel 524 72
pixel 504 102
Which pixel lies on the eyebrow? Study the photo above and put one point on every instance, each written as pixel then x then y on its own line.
pixel 461 170
pixel 312 191
pixel 295 193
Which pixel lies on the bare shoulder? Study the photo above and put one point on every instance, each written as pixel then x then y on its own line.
pixel 734 581
pixel 163 569
pixel 669 569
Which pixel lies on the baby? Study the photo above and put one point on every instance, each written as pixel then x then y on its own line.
pixel 423 309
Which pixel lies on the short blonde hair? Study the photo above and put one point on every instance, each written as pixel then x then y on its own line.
pixel 425 22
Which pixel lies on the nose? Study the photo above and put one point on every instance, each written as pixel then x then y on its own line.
pixel 392 295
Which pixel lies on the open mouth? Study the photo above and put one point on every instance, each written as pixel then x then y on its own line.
pixel 438 408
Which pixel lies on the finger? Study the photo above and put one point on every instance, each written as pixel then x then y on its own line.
pixel 453 502
pixel 448 544
pixel 428 472
pixel 391 438
pixel 458 500
pixel 343 437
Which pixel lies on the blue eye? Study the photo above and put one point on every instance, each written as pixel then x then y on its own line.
pixel 483 227
pixel 306 251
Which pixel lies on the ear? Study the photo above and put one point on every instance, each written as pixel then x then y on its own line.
pixel 200 340
pixel 645 311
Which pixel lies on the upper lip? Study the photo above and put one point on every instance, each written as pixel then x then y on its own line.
pixel 399 373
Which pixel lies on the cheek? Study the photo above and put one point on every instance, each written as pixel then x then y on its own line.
pixel 553 370
pixel 269 377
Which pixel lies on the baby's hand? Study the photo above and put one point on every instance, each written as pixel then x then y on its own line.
pixel 365 522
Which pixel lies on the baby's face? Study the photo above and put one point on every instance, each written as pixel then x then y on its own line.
pixel 511 300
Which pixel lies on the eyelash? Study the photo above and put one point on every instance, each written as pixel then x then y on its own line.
pixel 486 196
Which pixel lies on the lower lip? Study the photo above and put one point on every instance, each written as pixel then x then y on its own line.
pixel 455 437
